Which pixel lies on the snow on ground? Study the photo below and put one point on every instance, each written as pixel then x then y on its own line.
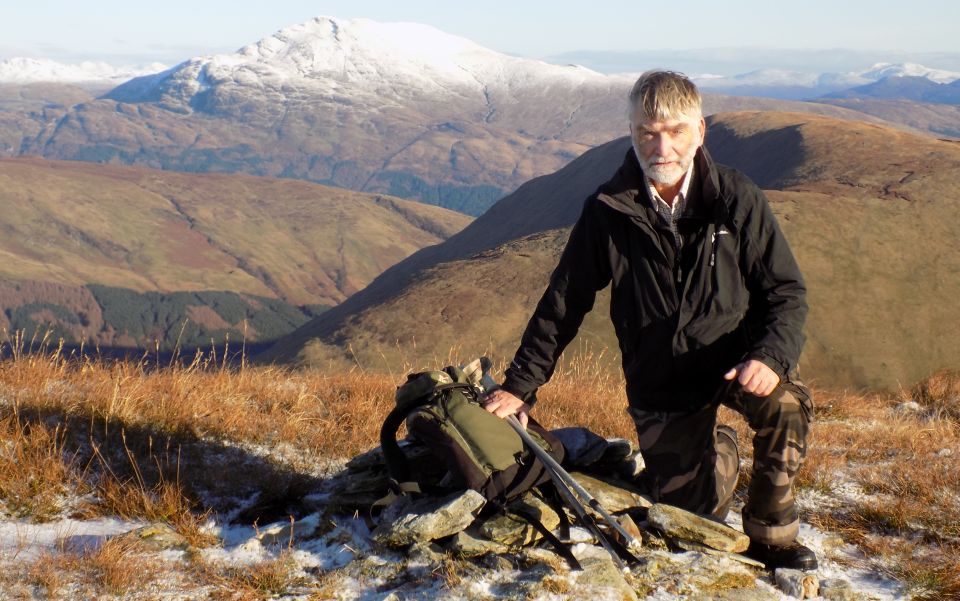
pixel 348 541
pixel 23 541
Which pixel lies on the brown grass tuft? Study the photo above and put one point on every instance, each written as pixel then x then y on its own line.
pixel 262 580
pixel 940 393
pixel 34 472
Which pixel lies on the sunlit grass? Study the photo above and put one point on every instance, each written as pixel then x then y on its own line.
pixel 905 463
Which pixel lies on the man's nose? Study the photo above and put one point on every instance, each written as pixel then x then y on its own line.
pixel 663 145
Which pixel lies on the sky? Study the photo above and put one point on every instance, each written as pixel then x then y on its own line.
pixel 125 32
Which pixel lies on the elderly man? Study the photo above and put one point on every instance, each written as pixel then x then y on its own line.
pixel 708 306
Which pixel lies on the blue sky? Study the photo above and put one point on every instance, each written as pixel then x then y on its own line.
pixel 173 30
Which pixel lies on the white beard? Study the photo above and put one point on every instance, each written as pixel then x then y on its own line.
pixel 667 175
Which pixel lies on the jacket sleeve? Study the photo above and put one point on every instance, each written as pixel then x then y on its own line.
pixel 583 269
pixel 778 306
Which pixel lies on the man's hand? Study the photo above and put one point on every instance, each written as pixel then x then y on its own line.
pixel 755 377
pixel 501 403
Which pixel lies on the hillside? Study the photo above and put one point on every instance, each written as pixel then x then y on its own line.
pixel 868 211
pixel 83 242
pixel 939 119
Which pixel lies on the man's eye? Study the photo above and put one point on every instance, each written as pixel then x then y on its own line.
pixel 678 131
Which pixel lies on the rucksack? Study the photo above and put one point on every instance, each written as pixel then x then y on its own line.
pixel 443 410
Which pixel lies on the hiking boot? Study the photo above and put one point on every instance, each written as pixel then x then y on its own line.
pixel 792 555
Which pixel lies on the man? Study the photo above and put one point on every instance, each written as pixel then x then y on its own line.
pixel 708 306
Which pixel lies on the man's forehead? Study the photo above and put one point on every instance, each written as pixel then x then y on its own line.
pixel 660 124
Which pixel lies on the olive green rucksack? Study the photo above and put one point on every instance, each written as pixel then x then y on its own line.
pixel 444 411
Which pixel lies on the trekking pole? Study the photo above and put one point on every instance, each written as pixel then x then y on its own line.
pixel 568 482
pixel 565 483
pixel 583 516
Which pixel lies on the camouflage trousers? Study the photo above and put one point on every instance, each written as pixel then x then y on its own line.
pixel 693 463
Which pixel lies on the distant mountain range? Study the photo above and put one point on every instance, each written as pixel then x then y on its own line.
pixel 869 212
pixel 918 89
pixel 399 109
pixel 887 80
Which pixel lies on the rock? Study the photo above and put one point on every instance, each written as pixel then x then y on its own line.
pixel 802 585
pixel 550 559
pixel 425 553
pixel 514 531
pixel 356 489
pixel 699 548
pixel 466 544
pixel 283 533
pixel 837 589
pixel 908 407
pixel 684 525
pixel 630 527
pixel 157 537
pixel 613 494
pixel 427 519
pixel 600 572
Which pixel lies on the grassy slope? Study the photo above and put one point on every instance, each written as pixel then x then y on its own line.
pixel 868 211
pixel 75 223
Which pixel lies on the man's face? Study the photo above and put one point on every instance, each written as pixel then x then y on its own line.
pixel 665 149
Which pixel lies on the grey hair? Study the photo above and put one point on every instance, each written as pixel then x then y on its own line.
pixel 660 95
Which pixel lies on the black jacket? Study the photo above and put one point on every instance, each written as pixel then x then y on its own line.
pixel 734 291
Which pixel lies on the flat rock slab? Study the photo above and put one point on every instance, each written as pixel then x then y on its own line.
pixel 427 519
pixel 614 495
pixel 684 525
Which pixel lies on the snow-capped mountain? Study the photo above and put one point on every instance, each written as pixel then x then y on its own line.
pixel 882 70
pixel 391 62
pixel 21 70
pixel 785 83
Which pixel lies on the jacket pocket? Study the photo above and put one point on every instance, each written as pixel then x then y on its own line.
pixel 727 288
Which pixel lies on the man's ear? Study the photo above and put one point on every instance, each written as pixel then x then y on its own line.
pixel 702 127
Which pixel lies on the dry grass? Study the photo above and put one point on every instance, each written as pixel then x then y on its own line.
pixel 262 580
pixel 35 473
pixel 905 464
pixel 940 393
pixel 113 567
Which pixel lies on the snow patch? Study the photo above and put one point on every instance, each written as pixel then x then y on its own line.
pixel 23 541
pixel 22 70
